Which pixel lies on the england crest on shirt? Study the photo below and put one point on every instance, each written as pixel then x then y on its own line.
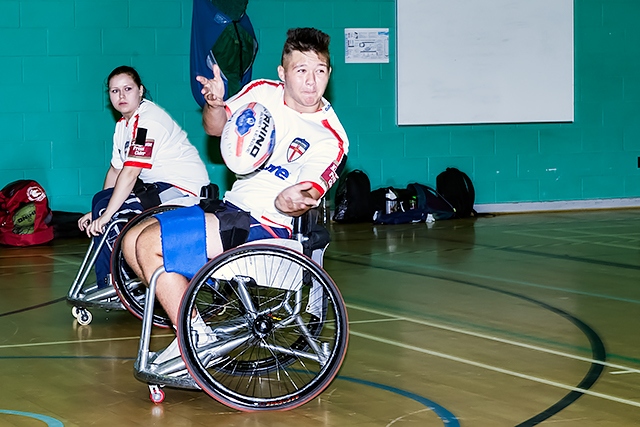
pixel 296 149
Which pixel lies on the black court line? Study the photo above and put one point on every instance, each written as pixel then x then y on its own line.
pixel 552 256
pixel 598 351
pixel 471 245
pixel 564 257
pixel 33 307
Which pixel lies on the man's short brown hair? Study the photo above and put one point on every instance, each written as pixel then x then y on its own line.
pixel 307 40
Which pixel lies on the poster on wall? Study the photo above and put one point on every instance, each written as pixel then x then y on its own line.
pixel 366 45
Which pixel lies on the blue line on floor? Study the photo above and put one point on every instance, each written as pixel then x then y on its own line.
pixel 51 422
pixel 447 417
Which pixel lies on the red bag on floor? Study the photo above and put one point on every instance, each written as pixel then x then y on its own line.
pixel 25 216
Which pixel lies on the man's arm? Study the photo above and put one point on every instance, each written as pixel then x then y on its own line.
pixel 213 119
pixel 214 114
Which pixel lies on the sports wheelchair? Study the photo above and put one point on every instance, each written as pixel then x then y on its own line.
pixel 277 328
pixel 82 296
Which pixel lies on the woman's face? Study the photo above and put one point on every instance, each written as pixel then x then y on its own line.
pixel 124 94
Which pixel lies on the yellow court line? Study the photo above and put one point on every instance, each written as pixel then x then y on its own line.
pixel 496 369
pixel 494 279
pixel 67 259
pixel 40 344
pixel 572 240
pixel 494 338
pixel 360 322
pixel 630 237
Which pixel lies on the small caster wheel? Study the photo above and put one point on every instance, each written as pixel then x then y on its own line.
pixel 75 312
pixel 84 317
pixel 156 394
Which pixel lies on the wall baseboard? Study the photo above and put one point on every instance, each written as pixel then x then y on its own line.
pixel 566 205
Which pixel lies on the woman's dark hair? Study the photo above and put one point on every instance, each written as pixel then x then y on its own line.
pixel 131 72
pixel 307 40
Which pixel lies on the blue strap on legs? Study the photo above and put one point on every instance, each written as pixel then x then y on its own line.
pixel 184 240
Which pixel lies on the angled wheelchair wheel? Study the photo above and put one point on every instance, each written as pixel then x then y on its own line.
pixel 276 328
pixel 130 289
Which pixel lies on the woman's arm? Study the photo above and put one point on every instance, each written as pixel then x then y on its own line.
pixel 124 183
pixel 109 182
pixel 111 177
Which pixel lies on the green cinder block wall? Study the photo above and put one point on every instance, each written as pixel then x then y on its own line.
pixel 57 125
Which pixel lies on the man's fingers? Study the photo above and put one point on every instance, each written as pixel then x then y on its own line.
pixel 305 185
pixel 307 202
pixel 313 202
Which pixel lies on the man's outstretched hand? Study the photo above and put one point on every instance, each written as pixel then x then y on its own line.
pixel 213 89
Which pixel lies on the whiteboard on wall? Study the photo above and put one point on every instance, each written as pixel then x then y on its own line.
pixel 484 61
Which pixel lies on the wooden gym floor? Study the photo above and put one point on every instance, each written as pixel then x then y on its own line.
pixel 513 320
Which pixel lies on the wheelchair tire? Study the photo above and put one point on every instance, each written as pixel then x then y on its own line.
pixel 130 289
pixel 278 328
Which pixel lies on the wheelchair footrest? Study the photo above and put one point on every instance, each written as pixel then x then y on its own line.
pixel 112 304
pixel 182 381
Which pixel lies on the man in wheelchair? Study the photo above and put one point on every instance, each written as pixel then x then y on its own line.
pixel 310 147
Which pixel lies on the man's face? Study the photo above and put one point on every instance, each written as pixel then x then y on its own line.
pixel 305 76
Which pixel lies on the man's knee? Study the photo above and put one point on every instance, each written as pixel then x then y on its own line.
pixel 131 239
pixel 129 244
pixel 149 242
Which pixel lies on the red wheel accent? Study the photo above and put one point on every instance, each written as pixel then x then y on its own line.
pixel 117 262
pixel 156 394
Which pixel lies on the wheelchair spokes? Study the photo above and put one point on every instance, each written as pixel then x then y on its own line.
pixel 277 325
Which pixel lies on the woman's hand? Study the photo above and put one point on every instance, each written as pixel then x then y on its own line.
pixel 93 228
pixel 84 221
pixel 97 226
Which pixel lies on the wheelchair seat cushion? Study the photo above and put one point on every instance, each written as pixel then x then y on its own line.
pixel 184 245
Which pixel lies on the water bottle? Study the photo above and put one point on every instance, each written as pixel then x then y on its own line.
pixel 326 211
pixel 391 201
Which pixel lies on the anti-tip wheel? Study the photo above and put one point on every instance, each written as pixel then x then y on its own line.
pixel 156 394
pixel 84 317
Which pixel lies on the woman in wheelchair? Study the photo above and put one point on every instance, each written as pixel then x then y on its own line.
pixel 310 145
pixel 152 162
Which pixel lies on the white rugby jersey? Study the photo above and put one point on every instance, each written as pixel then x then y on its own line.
pixel 153 141
pixel 309 147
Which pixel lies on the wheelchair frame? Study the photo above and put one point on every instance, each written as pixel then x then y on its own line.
pixel 82 298
pixel 283 324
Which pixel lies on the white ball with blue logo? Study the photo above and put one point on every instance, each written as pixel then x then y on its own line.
pixel 248 138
